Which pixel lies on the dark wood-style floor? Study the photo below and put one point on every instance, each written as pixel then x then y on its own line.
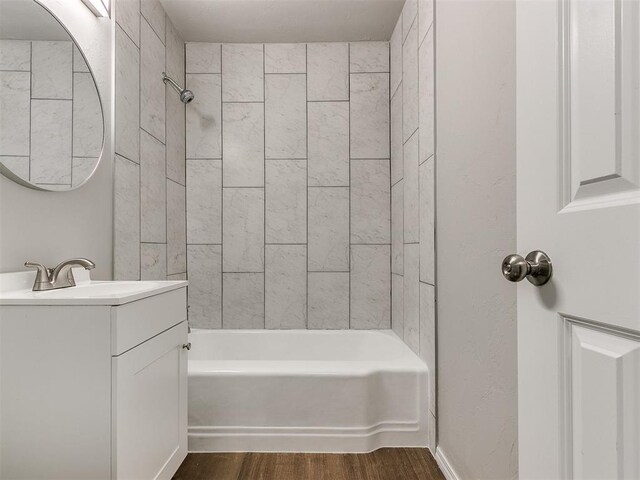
pixel 383 464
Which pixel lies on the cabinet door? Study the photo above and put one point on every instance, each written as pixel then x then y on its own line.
pixel 150 407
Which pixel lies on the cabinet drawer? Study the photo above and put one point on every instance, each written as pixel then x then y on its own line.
pixel 136 322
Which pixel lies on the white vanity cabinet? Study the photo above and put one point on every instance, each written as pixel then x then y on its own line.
pixel 96 387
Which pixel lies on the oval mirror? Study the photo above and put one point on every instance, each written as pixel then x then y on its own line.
pixel 51 123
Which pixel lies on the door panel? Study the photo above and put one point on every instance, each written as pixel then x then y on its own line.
pixel 604 403
pixel 600 104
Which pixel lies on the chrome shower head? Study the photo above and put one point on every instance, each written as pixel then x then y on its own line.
pixel 186 96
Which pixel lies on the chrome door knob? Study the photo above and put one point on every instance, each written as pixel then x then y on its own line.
pixel 535 267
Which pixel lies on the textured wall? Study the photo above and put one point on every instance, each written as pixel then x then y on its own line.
pixel 149 230
pixel 476 208
pixel 412 180
pixel 288 185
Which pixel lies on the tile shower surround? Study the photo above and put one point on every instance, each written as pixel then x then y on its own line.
pixel 413 184
pixel 150 202
pixel 288 187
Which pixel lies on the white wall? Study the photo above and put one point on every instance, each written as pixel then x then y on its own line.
pixel 476 227
pixel 50 226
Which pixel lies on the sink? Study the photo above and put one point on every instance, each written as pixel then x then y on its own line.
pixel 15 289
pixel 100 290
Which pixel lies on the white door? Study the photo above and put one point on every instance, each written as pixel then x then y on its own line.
pixel 578 146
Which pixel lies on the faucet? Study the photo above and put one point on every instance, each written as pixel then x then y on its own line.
pixel 58 277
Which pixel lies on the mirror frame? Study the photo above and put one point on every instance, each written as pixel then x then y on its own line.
pixel 25 183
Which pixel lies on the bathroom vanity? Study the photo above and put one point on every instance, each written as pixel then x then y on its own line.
pixel 93 379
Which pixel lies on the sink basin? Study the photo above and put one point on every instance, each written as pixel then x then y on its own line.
pixel 100 290
pixel 15 289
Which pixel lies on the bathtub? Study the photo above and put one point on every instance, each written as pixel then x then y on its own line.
pixel 304 391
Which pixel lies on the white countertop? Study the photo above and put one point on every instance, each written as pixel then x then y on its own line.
pixel 15 289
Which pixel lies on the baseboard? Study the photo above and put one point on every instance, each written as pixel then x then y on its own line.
pixel 445 466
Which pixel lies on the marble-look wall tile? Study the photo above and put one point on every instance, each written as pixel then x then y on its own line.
pixel 128 17
pixel 52 70
pixel 18 165
pixel 51 126
pixel 410 84
pixel 81 169
pixel 425 18
pixel 175 137
pixel 204 117
pixel 15 97
pixel 428 337
pixel 397 304
pixel 409 13
pixel 328 133
pixel 396 137
pixel 370 202
pixel 395 54
pixel 79 63
pixel 126 220
pixel 411 291
pixel 411 189
pixel 127 97
pixel 243 69
pixel 174 53
pixel 243 230
pixel 426 102
pixel 285 116
pixel 243 144
pixel 177 277
pixel 15 55
pixel 369 57
pixel 153 261
pixel 285 58
pixel 203 57
pixel 427 217
pixel 328 300
pixel 87 117
pixel 152 89
pixel 243 300
pixel 328 71
pixel 286 286
pixel 176 228
pixel 153 186
pixel 205 285
pixel 329 229
pixel 153 12
pixel 370 115
pixel 370 287
pixel 397 227
pixel 204 201
pixel 286 201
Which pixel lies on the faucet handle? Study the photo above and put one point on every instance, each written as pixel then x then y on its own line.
pixel 43 272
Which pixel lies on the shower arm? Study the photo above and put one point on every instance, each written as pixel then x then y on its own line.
pixel 166 78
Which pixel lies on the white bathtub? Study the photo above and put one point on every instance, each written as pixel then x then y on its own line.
pixel 304 391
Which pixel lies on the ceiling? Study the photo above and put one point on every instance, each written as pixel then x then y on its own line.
pixel 27 20
pixel 274 21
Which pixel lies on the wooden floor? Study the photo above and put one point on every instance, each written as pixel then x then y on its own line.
pixel 383 464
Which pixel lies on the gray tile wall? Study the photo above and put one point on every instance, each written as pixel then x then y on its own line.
pixel 288 185
pixel 413 183
pixel 150 194
pixel 53 136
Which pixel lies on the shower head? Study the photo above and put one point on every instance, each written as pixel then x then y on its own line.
pixel 185 95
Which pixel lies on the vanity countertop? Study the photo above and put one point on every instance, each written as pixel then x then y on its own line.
pixel 15 289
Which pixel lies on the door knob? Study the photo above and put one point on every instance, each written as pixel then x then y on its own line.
pixel 535 267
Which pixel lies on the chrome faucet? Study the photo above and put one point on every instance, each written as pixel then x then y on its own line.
pixel 58 277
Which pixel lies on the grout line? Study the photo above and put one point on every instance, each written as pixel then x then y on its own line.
pixel 221 111
pixel 349 137
pixel 264 184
